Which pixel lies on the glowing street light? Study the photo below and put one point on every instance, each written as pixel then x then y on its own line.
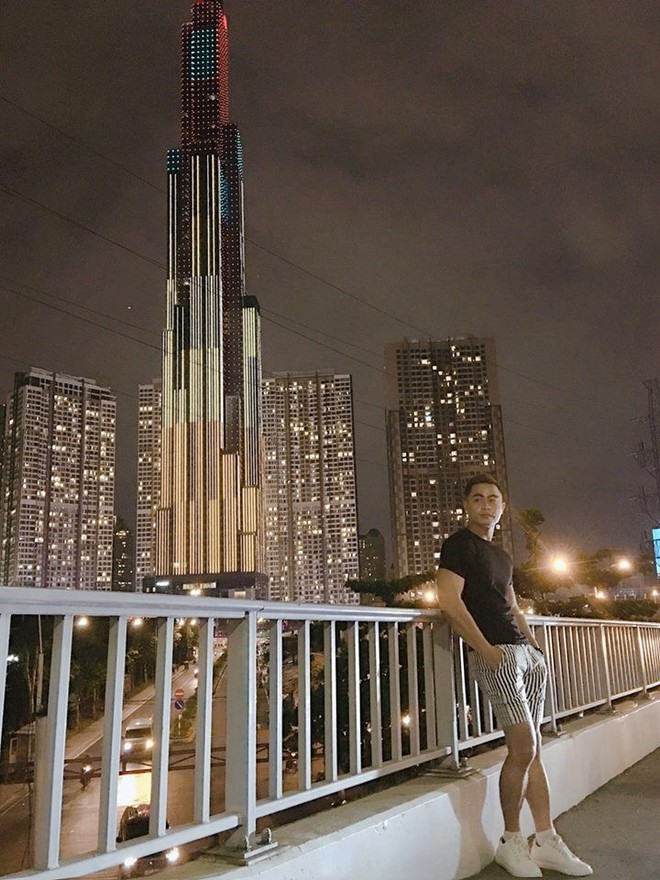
pixel 623 564
pixel 405 720
pixel 560 564
pixel 82 622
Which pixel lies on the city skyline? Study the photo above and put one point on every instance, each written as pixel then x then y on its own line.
pixel 482 190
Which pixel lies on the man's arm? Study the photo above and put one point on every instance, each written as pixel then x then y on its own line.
pixel 520 618
pixel 449 589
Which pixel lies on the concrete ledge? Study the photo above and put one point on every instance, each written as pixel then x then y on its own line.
pixel 430 829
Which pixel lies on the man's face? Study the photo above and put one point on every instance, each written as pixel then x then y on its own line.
pixel 484 505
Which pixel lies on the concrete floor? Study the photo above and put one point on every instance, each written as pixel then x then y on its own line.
pixel 616 829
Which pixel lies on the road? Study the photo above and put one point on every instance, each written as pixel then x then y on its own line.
pixel 80 808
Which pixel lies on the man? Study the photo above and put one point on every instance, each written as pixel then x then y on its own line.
pixel 475 592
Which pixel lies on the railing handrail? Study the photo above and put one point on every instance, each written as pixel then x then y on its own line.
pixel 102 603
pixel 402 664
pixel 105 603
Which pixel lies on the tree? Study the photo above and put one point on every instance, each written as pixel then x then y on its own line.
pixel 389 590
pixel 530 521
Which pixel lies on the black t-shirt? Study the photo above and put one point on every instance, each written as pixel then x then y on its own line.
pixel 487 571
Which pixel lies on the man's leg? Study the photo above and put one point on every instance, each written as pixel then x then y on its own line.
pixel 538 792
pixel 537 795
pixel 521 753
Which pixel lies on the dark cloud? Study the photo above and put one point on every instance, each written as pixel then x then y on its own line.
pixel 472 167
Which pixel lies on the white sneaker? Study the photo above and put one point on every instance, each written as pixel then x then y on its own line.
pixel 554 854
pixel 513 856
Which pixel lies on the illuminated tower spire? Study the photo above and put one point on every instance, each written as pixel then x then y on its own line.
pixel 210 500
pixel 205 82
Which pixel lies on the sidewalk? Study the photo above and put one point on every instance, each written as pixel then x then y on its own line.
pixel 615 829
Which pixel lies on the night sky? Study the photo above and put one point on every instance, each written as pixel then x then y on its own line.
pixel 455 167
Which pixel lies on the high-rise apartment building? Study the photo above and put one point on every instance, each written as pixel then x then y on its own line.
pixel 372 556
pixel 58 483
pixel 309 487
pixel 148 480
pixel 444 424
pixel 123 558
pixel 210 505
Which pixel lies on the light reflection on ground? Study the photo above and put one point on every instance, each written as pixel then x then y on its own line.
pixel 134 788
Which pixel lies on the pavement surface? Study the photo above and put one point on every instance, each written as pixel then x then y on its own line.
pixel 615 830
pixel 77 743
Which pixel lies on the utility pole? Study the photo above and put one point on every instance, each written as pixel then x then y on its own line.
pixel 648 457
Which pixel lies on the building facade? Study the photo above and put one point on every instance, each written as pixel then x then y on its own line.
pixel 372 556
pixel 309 487
pixel 58 483
pixel 123 558
pixel 444 424
pixel 148 480
pixel 210 503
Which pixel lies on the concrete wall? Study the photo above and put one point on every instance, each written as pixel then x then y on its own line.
pixel 434 829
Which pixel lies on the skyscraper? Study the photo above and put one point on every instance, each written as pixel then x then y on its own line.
pixel 372 556
pixel 123 558
pixel 444 424
pixel 309 487
pixel 148 480
pixel 58 483
pixel 210 506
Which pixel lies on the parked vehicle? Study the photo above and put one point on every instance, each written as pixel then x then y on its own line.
pixel 134 823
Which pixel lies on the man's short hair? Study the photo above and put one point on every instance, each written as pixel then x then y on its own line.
pixel 481 478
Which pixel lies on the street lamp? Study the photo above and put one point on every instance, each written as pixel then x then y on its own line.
pixel 623 564
pixel 560 564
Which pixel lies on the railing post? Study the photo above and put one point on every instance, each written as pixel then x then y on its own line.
pixel 161 726
pixel 5 623
pixel 330 699
pixel 49 751
pixel 605 666
pixel 241 766
pixel 114 691
pixel 550 707
pixel 641 660
pixel 395 689
pixel 413 691
pixel 204 722
pixel 445 693
pixel 275 684
pixel 354 713
pixel 304 708
pixel 375 707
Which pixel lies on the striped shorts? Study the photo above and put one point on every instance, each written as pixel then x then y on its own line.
pixel 516 689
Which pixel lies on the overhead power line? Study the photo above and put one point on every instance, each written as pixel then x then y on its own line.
pixel 66 219
pixel 423 332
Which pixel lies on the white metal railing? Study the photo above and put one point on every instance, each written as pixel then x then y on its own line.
pixel 312 700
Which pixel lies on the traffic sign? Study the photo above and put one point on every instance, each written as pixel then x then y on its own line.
pixel 179 694
pixel 179 704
